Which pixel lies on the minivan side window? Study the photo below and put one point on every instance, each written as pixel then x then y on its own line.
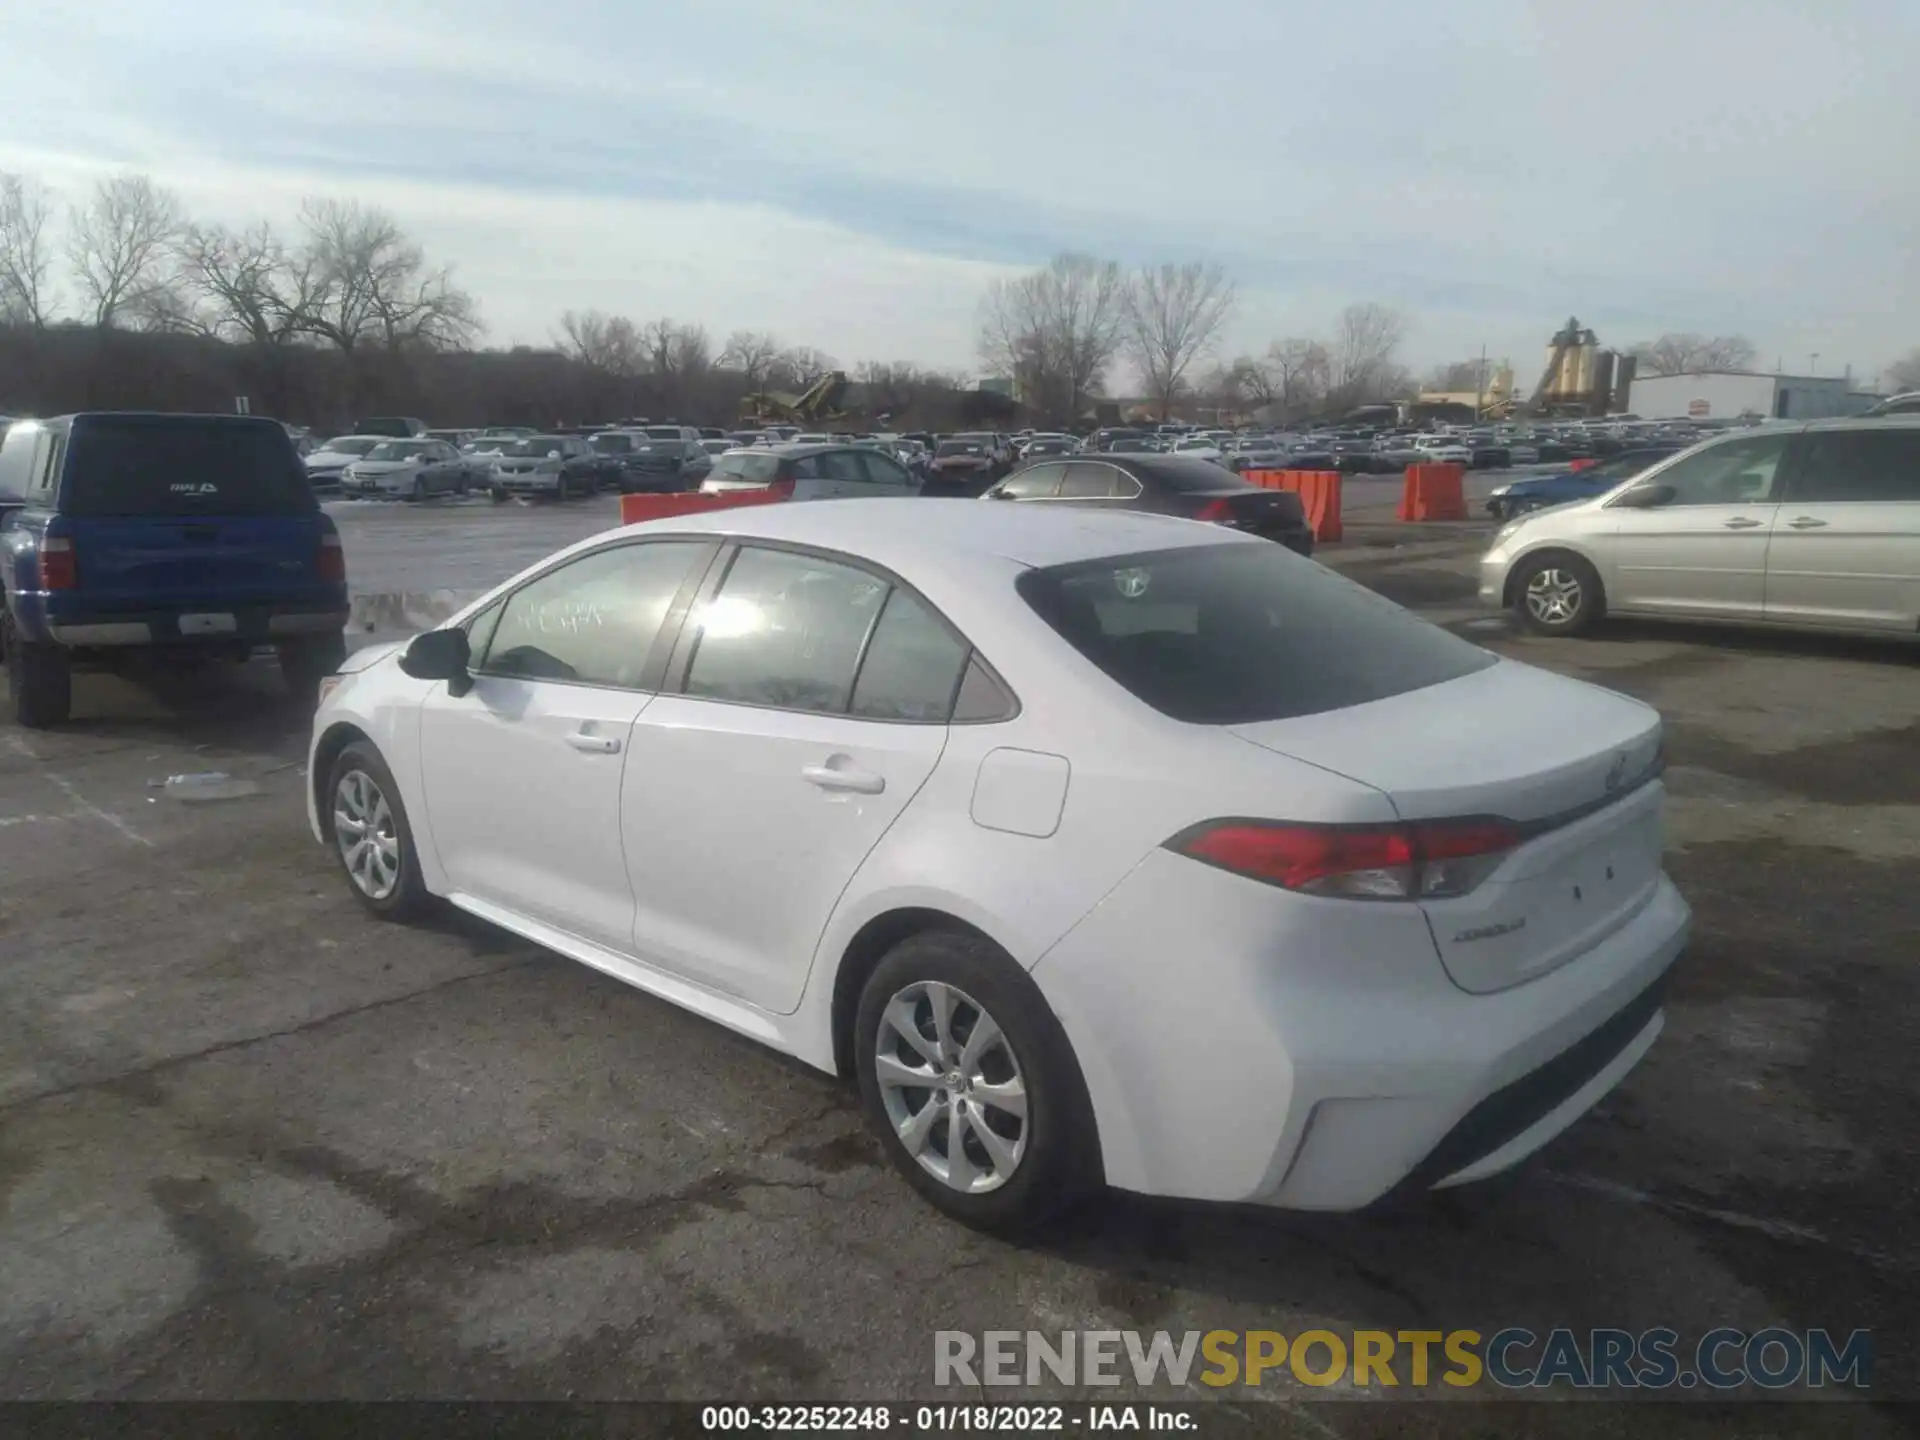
pixel 1858 466
pixel 1740 472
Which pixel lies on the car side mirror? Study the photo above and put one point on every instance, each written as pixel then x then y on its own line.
pixel 1646 497
pixel 440 655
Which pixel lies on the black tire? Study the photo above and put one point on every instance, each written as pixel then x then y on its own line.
pixel 460 487
pixel 1557 593
pixel 419 489
pixel 305 662
pixel 1060 1163
pixel 409 896
pixel 39 680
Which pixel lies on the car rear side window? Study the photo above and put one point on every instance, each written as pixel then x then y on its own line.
pixel 1858 465
pixel 593 620
pixel 1233 634
pixel 912 667
pixel 1087 481
pixel 1038 482
pixel 785 630
pixel 167 465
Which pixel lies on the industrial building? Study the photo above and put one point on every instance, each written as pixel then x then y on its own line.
pixel 1733 394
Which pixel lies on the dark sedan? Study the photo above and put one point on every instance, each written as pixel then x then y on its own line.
pixel 1562 486
pixel 1163 485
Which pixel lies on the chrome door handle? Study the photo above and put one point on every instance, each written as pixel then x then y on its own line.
pixel 1740 522
pixel 860 782
pixel 1805 522
pixel 594 744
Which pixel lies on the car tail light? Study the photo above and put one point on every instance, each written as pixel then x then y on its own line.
pixel 1216 512
pixel 331 565
pixel 782 488
pixel 59 564
pixel 1428 860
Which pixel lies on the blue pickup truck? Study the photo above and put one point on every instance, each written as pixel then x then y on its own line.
pixel 184 534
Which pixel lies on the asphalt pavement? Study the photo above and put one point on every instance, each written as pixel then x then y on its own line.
pixel 254 1144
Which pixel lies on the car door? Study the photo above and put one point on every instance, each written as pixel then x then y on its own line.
pixel 842 476
pixel 1846 539
pixel 1703 552
pixel 446 469
pixel 521 772
pixel 753 795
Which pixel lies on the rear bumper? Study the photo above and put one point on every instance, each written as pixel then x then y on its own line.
pixel 255 625
pixel 1312 1054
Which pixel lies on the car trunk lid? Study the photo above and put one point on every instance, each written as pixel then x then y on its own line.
pixel 1573 767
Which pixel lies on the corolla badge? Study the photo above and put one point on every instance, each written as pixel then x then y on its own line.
pixel 1490 932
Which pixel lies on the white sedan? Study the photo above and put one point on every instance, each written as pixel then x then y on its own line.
pixel 1101 847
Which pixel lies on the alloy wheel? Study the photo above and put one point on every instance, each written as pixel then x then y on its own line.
pixel 952 1087
pixel 366 835
pixel 1553 596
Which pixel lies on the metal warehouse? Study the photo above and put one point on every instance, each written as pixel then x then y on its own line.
pixel 1731 394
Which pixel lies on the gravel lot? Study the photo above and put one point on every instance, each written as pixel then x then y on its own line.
pixel 253 1144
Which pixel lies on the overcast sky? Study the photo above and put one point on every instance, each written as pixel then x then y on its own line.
pixel 851 174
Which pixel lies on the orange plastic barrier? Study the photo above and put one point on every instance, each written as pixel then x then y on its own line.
pixel 635 508
pixel 1434 492
pixel 1319 492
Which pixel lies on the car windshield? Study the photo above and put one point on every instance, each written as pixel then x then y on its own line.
pixel 352 444
pixel 1238 633
pixel 612 444
pixel 541 446
pixel 177 465
pixel 395 450
pixel 663 432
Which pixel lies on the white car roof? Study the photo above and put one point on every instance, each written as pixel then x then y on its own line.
pixel 911 535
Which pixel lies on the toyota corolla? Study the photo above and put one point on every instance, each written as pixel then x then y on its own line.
pixel 1100 848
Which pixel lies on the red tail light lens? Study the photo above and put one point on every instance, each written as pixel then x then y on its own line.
pixel 1215 511
pixel 59 564
pixel 782 488
pixel 1429 860
pixel 332 562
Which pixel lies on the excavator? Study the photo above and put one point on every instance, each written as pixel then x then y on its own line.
pixel 818 404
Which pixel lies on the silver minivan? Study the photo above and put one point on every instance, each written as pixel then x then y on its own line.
pixel 1807 525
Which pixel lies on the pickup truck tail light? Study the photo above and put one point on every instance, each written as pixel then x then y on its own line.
pixel 331 565
pixel 59 564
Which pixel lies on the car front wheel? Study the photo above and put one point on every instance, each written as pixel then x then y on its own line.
pixel 972 1085
pixel 1558 594
pixel 39 680
pixel 371 837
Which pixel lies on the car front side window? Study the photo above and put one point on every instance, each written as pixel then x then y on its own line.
pixel 1740 472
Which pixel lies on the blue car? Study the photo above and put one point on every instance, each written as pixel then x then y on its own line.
pixel 1561 486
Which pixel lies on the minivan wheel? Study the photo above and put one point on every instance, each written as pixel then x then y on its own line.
pixel 367 824
pixel 1558 594
pixel 972 1085
pixel 39 681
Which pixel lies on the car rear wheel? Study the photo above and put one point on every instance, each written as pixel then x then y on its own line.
pixel 419 489
pixel 39 680
pixel 1558 594
pixel 305 662
pixel 972 1085
pixel 372 840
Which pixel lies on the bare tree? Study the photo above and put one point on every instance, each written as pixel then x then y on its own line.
pixel 1683 353
pixel 1174 314
pixel 752 353
pixel 1055 331
pixel 26 255
pixel 1904 373
pixel 246 285
pixel 1366 335
pixel 1456 377
pixel 374 284
pixel 799 367
pixel 118 242
pixel 605 342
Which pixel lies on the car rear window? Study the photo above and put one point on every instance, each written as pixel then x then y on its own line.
pixel 165 465
pixel 1238 633
pixel 961 447
pixel 760 467
pixel 612 444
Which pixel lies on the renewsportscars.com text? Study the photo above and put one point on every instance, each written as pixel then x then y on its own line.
pixel 1510 1359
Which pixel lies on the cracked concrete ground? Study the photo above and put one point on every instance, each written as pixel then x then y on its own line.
pixel 253 1144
